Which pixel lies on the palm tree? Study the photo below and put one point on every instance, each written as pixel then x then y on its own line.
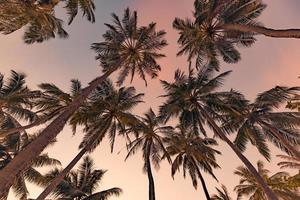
pixel 9 148
pixel 40 17
pixel 223 194
pixel 195 101
pixel 192 153
pixel 219 26
pixel 279 182
pixel 82 183
pixel 259 121
pixel 107 112
pixel 50 102
pixel 150 140
pixel 114 53
pixel 16 101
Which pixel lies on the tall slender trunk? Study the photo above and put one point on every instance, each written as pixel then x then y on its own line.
pixel 279 33
pixel 24 158
pixel 279 136
pixel 58 179
pixel 150 175
pixel 269 193
pixel 203 184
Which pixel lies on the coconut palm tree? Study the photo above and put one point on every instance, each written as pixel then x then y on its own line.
pixel 259 121
pixel 220 26
pixel 149 139
pixel 82 183
pixel 195 101
pixel 223 194
pixel 279 182
pixel 193 153
pixel 16 101
pixel 50 102
pixel 40 17
pixel 107 112
pixel 9 148
pixel 114 53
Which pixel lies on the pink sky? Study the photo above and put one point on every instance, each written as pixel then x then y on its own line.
pixel 268 63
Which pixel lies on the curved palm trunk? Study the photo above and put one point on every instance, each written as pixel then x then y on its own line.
pixel 203 184
pixel 24 158
pixel 150 175
pixel 58 179
pixel 284 141
pixel 269 193
pixel 281 33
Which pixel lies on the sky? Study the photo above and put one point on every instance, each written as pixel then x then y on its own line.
pixel 268 63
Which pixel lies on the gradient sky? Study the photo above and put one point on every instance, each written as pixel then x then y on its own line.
pixel 268 63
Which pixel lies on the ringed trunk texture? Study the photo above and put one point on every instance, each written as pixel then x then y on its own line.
pixel 282 139
pixel 23 159
pixel 58 179
pixel 277 33
pixel 269 193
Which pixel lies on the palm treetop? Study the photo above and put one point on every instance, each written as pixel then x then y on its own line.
pixel 130 48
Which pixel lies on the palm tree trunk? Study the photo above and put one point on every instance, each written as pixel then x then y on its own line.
pixel 203 184
pixel 279 136
pixel 24 158
pixel 150 175
pixel 279 33
pixel 269 193
pixel 58 179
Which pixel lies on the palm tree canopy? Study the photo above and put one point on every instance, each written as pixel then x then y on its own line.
pixel 83 183
pixel 108 111
pixel 130 48
pixel 222 194
pixel 192 153
pixel 204 37
pixel 279 183
pixel 253 118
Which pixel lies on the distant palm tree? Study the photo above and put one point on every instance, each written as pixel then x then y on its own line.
pixel 279 183
pixel 219 26
pixel 223 194
pixel 149 139
pixel 194 99
pixel 107 112
pixel 9 148
pixel 126 47
pixel 82 183
pixel 16 102
pixel 259 121
pixel 40 17
pixel 194 154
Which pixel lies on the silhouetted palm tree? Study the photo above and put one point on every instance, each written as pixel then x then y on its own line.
pixel 194 154
pixel 279 183
pixel 289 162
pixel 114 53
pixel 223 194
pixel 194 99
pixel 9 148
pixel 82 183
pixel 107 112
pixel 259 121
pixel 219 26
pixel 149 139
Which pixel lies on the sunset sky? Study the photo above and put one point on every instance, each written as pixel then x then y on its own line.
pixel 268 63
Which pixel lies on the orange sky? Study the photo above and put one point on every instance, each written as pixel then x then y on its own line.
pixel 268 63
